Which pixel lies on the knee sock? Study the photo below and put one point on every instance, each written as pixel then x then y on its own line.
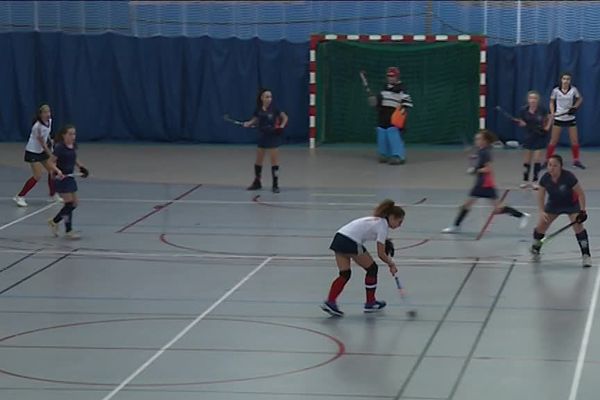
pixel 64 212
pixel 537 237
pixel 31 182
pixel 550 151
pixel 526 170
pixel 51 188
pixel 537 167
pixel 575 152
pixel 584 245
pixel 338 285
pixel 275 174
pixel 69 220
pixel 371 283
pixel 462 213
pixel 257 172
pixel 511 211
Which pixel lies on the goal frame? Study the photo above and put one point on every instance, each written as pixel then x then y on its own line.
pixel 315 39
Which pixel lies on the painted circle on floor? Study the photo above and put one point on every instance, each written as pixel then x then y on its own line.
pixel 237 326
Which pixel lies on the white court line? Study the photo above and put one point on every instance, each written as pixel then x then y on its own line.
pixel 184 331
pixel 222 256
pixel 291 203
pixel 342 195
pixel 24 217
pixel 585 340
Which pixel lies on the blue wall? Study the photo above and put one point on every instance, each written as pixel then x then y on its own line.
pixel 160 89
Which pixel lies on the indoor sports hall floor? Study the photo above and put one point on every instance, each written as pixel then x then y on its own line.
pixel 184 286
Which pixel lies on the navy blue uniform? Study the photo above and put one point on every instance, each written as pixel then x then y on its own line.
pixel 269 137
pixel 536 138
pixel 562 199
pixel 66 159
pixel 484 182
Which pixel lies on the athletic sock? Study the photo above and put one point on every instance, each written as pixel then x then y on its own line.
pixel 31 182
pixel 511 211
pixel 371 283
pixel 526 170
pixel 537 167
pixel 584 245
pixel 275 174
pixel 338 285
pixel 462 213
pixel 575 152
pixel 550 151
pixel 257 172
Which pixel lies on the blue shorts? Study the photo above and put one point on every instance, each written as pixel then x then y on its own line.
pixel 534 141
pixel 558 209
pixel 268 140
pixel 31 157
pixel 344 245
pixel 66 185
pixel 483 192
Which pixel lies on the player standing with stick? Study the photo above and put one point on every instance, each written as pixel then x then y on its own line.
pixel 566 100
pixel 270 122
pixel 565 196
pixel 537 123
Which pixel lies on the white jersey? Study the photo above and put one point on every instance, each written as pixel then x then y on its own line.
pixel 38 130
pixel 367 228
pixel 563 101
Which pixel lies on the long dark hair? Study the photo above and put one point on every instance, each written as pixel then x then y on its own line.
pixel 386 208
pixel 60 135
pixel 259 103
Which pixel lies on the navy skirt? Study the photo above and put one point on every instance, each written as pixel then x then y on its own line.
pixel 535 142
pixel 31 157
pixel 268 140
pixel 561 209
pixel 344 245
pixel 483 192
pixel 66 185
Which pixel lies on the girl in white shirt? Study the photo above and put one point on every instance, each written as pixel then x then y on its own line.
pixel 348 245
pixel 37 154
pixel 565 100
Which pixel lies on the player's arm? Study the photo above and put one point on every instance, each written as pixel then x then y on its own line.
pixel 487 168
pixel 548 122
pixel 580 196
pixel 251 122
pixel 284 119
pixel 42 142
pixel 84 171
pixel 578 101
pixel 385 258
pixel 541 198
pixel 551 105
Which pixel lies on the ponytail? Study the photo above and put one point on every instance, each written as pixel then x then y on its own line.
pixel 386 208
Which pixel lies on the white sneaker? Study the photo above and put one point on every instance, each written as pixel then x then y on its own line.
pixel 451 229
pixel 20 201
pixel 586 261
pixel 55 199
pixel 524 185
pixel 524 220
pixel 72 235
pixel 53 227
pixel 535 186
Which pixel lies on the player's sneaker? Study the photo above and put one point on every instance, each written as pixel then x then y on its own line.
pixel 374 307
pixel 383 159
pixel 20 201
pixel 535 250
pixel 53 227
pixel 72 235
pixel 332 309
pixel 586 261
pixel 396 161
pixel 524 185
pixel 256 185
pixel 276 189
pixel 451 229
pixel 524 220
pixel 578 164
pixel 535 186
pixel 55 199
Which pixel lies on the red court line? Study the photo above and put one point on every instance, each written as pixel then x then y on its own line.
pixel 491 217
pixel 157 209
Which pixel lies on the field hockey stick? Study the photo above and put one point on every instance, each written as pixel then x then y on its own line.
pixel 227 118
pixel 412 312
pixel 554 234
pixel 506 114
pixel 365 83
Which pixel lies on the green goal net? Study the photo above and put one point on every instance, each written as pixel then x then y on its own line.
pixel 442 79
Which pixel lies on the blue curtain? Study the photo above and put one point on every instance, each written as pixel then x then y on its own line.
pixel 115 87
pixel 512 71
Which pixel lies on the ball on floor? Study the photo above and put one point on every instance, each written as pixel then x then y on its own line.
pixel 412 313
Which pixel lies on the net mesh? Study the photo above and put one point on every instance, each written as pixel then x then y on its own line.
pixel 442 79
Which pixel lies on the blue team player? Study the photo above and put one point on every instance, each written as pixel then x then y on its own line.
pixel 390 144
pixel 537 123
pixel 65 157
pixel 565 196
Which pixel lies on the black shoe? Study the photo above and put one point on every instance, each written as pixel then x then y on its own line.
pixel 256 185
pixel 276 189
